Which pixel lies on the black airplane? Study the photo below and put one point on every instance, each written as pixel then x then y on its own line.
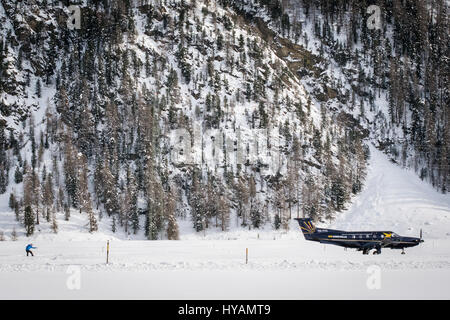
pixel 361 240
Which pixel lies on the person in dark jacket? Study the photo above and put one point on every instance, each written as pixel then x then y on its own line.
pixel 28 249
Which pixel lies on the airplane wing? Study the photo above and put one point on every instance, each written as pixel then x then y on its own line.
pixel 386 241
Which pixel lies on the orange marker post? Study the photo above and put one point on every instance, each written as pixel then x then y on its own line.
pixel 107 252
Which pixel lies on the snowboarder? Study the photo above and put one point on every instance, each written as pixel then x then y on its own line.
pixel 28 249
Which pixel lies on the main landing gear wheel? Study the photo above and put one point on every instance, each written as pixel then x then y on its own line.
pixel 403 251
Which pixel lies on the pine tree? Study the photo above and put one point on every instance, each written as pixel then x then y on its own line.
pixel 155 202
pixel 93 226
pixel 113 224
pixel 29 220
pixel 172 226
pixel 38 88
pixel 109 192
pixel 256 214
pixel 48 214
pixel 66 212
pixel 195 199
pixel 242 195
pixel 124 214
pixel 71 173
pixel 224 212
pixel 18 176
pixel 277 222
pixel 182 62
pixel 17 210
pixel 255 209
pixel 12 201
pixel 84 195
pixel 32 191
pixel 48 196
pixel 132 203
pixel 3 180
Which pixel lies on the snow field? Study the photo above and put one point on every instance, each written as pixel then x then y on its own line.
pixel 216 269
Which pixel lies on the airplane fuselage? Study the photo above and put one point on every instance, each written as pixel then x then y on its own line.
pixel 360 240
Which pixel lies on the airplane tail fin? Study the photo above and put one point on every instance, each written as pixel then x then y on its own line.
pixel 307 227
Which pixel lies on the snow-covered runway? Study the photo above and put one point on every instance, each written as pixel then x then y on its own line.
pixel 238 284
pixel 196 269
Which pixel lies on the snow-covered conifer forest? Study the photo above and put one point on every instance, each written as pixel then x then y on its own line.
pixel 155 117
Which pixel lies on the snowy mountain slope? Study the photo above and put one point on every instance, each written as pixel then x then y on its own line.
pixel 392 78
pixel 396 199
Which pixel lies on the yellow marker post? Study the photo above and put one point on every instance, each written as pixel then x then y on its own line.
pixel 107 252
pixel 246 255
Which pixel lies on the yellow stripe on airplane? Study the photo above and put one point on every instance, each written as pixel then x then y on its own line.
pixel 307 230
